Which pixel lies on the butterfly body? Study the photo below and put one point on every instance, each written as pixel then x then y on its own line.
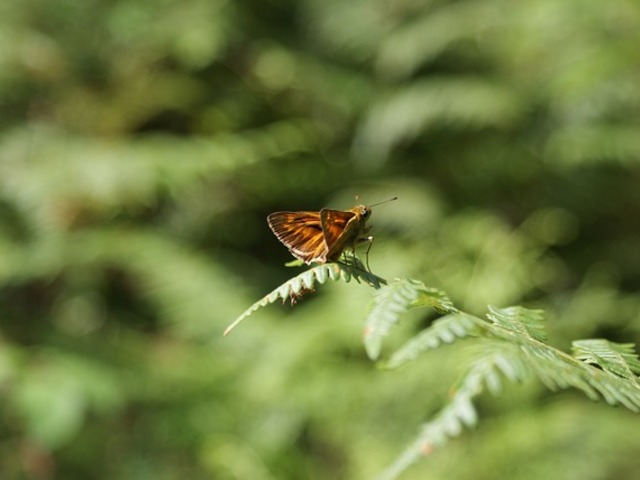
pixel 320 236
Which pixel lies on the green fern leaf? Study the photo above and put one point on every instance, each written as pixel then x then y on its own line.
pixel 603 143
pixel 443 330
pixel 306 281
pixel 556 370
pixel 432 297
pixel 392 301
pixel 417 42
pixel 460 411
pixel 395 299
pixel 616 358
pixel 470 102
pixel 515 347
pixel 389 302
pixel 524 322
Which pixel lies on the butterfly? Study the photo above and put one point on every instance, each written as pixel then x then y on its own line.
pixel 322 236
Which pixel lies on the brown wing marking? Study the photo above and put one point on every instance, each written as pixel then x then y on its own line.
pixel 337 230
pixel 301 233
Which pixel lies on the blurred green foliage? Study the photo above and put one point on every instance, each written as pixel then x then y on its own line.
pixel 142 144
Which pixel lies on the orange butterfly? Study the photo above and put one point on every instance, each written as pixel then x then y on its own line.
pixel 321 236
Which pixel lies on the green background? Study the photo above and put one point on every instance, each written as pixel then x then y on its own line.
pixel 143 143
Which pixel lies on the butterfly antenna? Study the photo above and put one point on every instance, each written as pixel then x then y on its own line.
pixel 384 201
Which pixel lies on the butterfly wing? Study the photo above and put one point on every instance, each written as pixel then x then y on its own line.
pixel 339 229
pixel 301 233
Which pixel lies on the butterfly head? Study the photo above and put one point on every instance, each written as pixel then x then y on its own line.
pixel 362 211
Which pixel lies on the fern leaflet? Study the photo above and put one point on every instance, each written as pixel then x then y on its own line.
pixel 484 372
pixel 528 323
pixel 391 301
pixel 617 358
pixel 297 286
pixel 444 330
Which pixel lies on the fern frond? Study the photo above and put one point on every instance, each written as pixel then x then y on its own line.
pixel 617 358
pixel 126 173
pixel 306 281
pixel 556 369
pixel 472 102
pixel 516 349
pixel 444 330
pixel 417 42
pixel 484 372
pixel 432 297
pixel 394 299
pixel 525 322
pixel 595 144
pixel 389 303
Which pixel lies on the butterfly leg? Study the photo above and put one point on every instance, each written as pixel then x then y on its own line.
pixel 366 255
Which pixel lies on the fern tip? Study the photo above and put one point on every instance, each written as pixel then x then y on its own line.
pixel 227 330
